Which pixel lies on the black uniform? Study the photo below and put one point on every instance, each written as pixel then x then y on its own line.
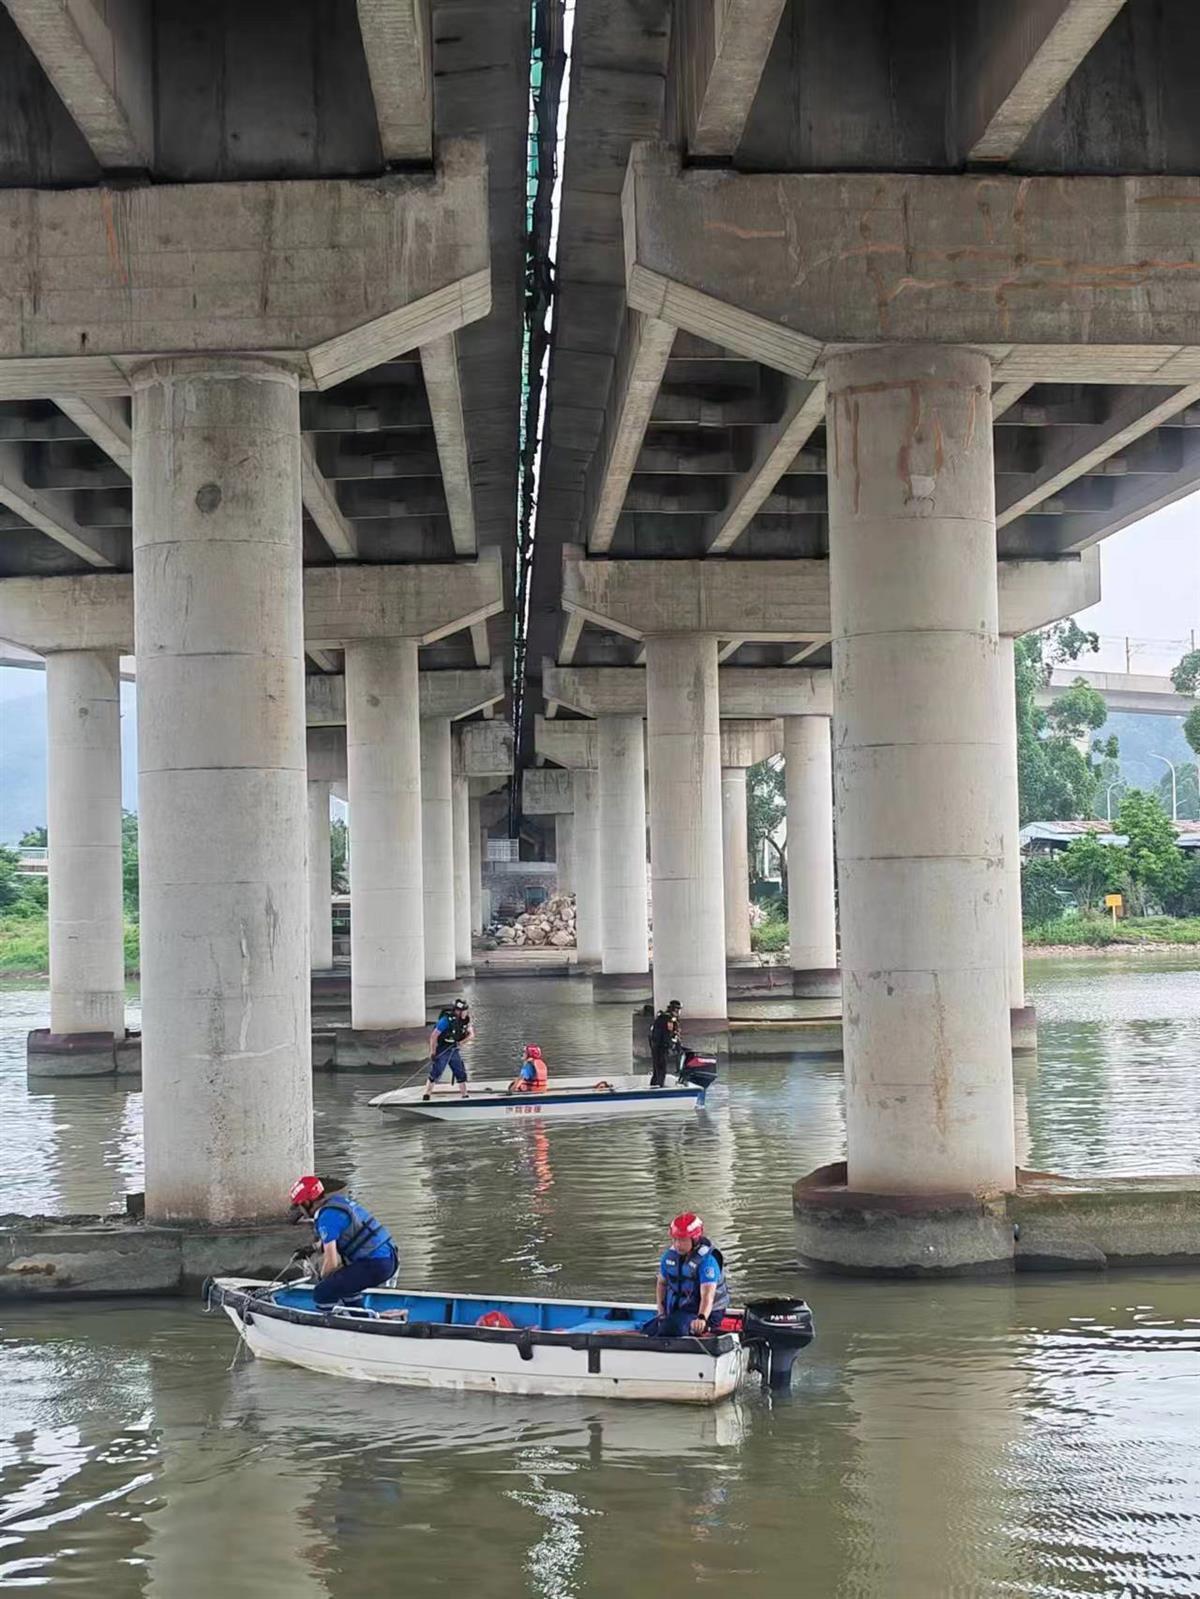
pixel 664 1046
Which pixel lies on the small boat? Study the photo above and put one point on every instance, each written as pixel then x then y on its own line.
pixel 512 1346
pixel 616 1096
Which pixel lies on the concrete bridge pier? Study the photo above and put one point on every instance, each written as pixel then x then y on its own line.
pixel 625 949
pixel 460 803
pixel 683 746
pixel 222 787
pixel 476 847
pixel 564 851
pixel 736 856
pixel 586 840
pixel 920 736
pixel 437 856
pixel 320 878
pixel 1022 1016
pixel 383 770
pixel 812 922
pixel 83 796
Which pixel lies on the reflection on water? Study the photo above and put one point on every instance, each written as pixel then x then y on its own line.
pixel 1029 1437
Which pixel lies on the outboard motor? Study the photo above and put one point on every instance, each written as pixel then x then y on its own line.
pixel 700 1071
pixel 776 1330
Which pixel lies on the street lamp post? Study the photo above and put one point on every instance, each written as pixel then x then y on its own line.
pixel 1174 788
pixel 1108 799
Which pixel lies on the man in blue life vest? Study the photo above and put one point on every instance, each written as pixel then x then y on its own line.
pixel 357 1251
pixel 692 1294
pixel 452 1029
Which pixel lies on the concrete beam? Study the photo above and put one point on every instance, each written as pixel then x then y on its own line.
pixel 746 743
pixel 745 692
pixel 574 745
pixel 320 501
pixel 1016 63
pixel 103 420
pixel 808 649
pixel 99 59
pixel 322 659
pixel 346 604
pixel 335 276
pixel 443 388
pixel 719 51
pixel 93 611
pixel 1035 593
pixel 760 600
pixel 1135 692
pixel 775 448
pixel 729 649
pixel 641 361
pixel 1056 279
pixel 49 514
pixel 452 695
pixel 572 628
pixel 326 754
pixel 481 644
pixel 1080 450
pixel 547 791
pixel 487 750
pixel 395 36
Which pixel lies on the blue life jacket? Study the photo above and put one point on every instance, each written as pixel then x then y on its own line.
pixel 365 1238
pixel 681 1273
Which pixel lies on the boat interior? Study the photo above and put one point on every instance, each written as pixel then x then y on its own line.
pixel 539 1315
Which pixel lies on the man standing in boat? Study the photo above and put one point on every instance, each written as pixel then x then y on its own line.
pixel 357 1251
pixel 691 1294
pixel 452 1029
pixel 664 1043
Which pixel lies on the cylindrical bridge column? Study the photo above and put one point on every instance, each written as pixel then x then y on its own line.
pixel 383 778
pixel 461 807
pixel 226 1048
pixel 564 852
pixel 736 856
pixel 919 729
pixel 320 878
pixel 622 778
pixel 812 924
pixel 437 849
pixel 1024 1026
pixel 683 745
pixel 476 843
pixel 83 814
pixel 586 835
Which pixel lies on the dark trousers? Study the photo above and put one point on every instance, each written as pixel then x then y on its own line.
pixel 660 1059
pixel 353 1279
pixel 674 1324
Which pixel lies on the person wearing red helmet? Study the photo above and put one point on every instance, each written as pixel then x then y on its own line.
pixel 357 1251
pixel 691 1294
pixel 534 1073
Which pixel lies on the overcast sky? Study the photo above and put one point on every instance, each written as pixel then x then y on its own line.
pixel 1150 579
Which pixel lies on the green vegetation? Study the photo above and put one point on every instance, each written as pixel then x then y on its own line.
pixel 1098 931
pixel 24 921
pixel 766 806
pixel 1057 780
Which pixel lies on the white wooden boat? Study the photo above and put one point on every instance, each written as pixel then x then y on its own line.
pixel 512 1345
pixel 567 1097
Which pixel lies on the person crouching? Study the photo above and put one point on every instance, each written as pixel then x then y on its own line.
pixel 357 1251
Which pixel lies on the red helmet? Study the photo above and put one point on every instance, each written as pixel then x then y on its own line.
pixel 687 1225
pixel 532 1052
pixel 306 1189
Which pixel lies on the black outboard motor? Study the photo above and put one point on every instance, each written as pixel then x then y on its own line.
pixel 776 1330
pixel 698 1070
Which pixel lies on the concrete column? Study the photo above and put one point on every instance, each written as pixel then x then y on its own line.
pixel 83 815
pixel 383 779
pixel 624 939
pixel 226 1048
pixel 919 728
pixel 320 879
pixel 461 807
pixel 437 849
pixel 735 854
pixel 812 929
pixel 564 852
pixel 683 746
pixel 586 831
pixel 476 842
pixel 1010 818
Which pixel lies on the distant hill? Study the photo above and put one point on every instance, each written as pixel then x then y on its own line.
pixel 1139 739
pixel 23 751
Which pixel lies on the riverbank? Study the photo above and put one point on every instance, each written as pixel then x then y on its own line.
pixel 25 947
pixel 1096 935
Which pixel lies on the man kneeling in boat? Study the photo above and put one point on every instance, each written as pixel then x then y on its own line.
pixel 692 1294
pixel 533 1076
pixel 357 1251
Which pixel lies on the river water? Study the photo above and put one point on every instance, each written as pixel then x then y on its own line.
pixel 1029 1437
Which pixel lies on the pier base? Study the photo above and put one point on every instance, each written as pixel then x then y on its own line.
pixel 59 1055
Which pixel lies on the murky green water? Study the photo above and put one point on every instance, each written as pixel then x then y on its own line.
pixel 1037 1437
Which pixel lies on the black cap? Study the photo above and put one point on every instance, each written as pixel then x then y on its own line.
pixel 460 1004
pixel 674 1004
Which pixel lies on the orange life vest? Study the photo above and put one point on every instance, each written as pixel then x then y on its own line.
pixel 540 1076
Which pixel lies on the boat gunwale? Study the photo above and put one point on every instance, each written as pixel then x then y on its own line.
pixel 556 1096
pixel 243 1301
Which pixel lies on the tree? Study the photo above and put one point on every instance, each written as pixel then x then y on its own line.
pixel 1156 870
pixel 1057 780
pixel 1187 792
pixel 10 883
pixel 129 862
pixel 1092 869
pixel 766 806
pixel 35 838
pixel 339 839
pixel 1191 728
pixel 1186 676
pixel 1042 894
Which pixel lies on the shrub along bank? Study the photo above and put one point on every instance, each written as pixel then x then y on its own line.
pixel 25 946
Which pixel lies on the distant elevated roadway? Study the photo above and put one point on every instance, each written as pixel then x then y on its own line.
pixel 1122 691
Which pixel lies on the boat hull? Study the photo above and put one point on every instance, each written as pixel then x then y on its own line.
pixel 610 1366
pixel 489 1103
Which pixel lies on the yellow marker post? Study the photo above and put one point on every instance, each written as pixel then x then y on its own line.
pixel 1115 904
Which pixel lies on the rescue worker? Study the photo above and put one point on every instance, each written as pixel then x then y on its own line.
pixel 691 1294
pixel 356 1251
pixel 533 1076
pixel 664 1043
pixel 452 1029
